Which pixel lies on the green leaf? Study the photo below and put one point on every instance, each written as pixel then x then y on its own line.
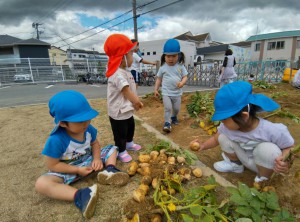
pixel 245 191
pixel 256 204
pixel 272 201
pixel 197 210
pixel 256 217
pixel 238 200
pixel 187 218
pixel 243 220
pixel 208 218
pixel 245 211
pixel 232 190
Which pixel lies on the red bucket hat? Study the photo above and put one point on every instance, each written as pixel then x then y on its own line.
pixel 115 47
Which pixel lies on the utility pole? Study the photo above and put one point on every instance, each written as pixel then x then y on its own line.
pixel 134 19
pixel 36 26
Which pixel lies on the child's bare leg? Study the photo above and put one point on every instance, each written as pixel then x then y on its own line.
pixel 54 187
pixel 112 160
pixel 264 172
pixel 232 156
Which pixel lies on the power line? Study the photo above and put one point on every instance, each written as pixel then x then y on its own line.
pixel 123 22
pixel 58 6
pixel 107 22
pixel 94 27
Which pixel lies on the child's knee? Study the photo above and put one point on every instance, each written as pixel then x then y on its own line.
pixel 265 154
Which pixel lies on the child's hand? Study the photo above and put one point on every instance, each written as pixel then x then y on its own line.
pixel 138 105
pixel 97 164
pixel 84 171
pixel 180 85
pixel 156 93
pixel 281 166
pixel 195 145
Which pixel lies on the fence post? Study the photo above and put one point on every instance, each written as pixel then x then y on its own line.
pixel 62 73
pixel 30 70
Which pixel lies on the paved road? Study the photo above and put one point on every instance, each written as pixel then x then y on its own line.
pixel 17 95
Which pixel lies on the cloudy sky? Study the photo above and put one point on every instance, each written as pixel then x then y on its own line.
pixel 70 23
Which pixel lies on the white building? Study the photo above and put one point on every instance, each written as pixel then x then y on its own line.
pixel 276 46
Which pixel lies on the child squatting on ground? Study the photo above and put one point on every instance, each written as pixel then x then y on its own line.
pixel 245 139
pixel 72 152
pixel 172 75
pixel 122 99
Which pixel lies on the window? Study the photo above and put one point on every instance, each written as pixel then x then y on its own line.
pixel 271 45
pixel 257 47
pixel 298 44
pixel 276 45
pixel 280 45
pixel 154 53
pixel 143 53
pixel 148 53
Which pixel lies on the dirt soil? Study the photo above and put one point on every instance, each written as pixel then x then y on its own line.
pixel 25 129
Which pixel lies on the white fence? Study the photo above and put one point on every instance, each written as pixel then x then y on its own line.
pixel 38 70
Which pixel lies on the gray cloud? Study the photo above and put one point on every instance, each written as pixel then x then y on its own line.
pixel 226 20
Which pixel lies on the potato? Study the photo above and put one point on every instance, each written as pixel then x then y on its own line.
pixel 154 183
pixel 195 146
pixel 138 195
pixel 257 185
pixel 145 171
pixel 269 188
pixel 197 172
pixel 171 191
pixel 180 159
pixel 156 218
pixel 171 160
pixel 146 180
pixel 144 158
pixel 144 165
pixel 144 188
pixel 162 157
pixel 133 166
pixel 153 155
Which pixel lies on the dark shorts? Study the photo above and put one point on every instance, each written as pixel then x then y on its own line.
pixel 136 76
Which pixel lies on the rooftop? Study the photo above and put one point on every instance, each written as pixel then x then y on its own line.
pixel 274 35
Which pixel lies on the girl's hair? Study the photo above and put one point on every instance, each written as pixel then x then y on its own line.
pixel 181 58
pixel 238 119
pixel 228 52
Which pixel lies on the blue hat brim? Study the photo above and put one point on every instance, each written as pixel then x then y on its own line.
pixel 75 119
pixel 260 100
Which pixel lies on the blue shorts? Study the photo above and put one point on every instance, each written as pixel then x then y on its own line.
pixel 136 76
pixel 106 152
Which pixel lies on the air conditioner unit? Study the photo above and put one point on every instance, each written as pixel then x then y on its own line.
pixel 198 58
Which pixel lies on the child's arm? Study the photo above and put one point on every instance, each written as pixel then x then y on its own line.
pixel 157 85
pixel 97 163
pixel 182 83
pixel 210 143
pixel 55 165
pixel 128 94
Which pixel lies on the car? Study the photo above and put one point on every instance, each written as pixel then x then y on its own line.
pixel 22 77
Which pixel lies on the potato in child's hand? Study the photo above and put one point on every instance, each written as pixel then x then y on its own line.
pixel 194 145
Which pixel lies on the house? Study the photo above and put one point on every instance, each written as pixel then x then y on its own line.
pixel 276 46
pixel 202 40
pixel 15 50
pixel 241 51
pixel 57 56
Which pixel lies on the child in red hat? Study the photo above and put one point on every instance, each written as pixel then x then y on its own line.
pixel 122 98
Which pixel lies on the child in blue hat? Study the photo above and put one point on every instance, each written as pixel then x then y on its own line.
pixel 72 152
pixel 245 139
pixel 172 75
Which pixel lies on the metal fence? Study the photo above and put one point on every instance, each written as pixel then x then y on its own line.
pixel 39 70
pixel 207 74
pixel 16 71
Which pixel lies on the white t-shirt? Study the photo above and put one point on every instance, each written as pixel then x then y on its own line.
pixel 136 62
pixel 171 76
pixel 119 108
pixel 266 131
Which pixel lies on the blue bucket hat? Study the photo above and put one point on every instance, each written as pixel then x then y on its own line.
pixel 233 97
pixel 171 47
pixel 70 106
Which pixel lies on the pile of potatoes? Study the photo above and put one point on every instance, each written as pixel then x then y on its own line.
pixel 147 161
